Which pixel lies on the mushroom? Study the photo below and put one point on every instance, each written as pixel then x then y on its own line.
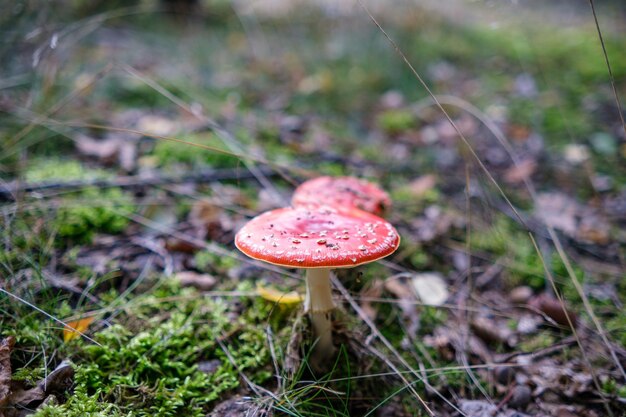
pixel 318 238
pixel 342 192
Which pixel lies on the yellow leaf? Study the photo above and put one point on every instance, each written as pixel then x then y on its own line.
pixel 73 329
pixel 277 296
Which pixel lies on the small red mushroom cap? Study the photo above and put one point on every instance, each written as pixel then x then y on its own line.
pixel 317 237
pixel 342 192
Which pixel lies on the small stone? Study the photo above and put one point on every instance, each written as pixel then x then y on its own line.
pixel 504 374
pixel 477 408
pixel 521 397
pixel 528 324
pixel 520 295
pixel 576 154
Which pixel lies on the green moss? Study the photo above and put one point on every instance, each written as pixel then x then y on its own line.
pixel 396 121
pixel 81 404
pixel 332 169
pixel 168 153
pixel 410 204
pixel 160 362
pixel 564 281
pixel 209 261
pixel 147 364
pixel 612 387
pixel 494 239
pixel 563 121
pixel 616 326
pixel 79 220
pixel 54 169
pixel 431 317
pixel 132 92
pixel 522 111
pixel 505 239
pixel 30 376
pixel 84 212
pixel 419 259
pixel 537 342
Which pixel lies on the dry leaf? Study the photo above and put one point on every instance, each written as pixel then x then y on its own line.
pixel 520 172
pixel 155 125
pixel 558 211
pixel 582 223
pixel 73 329
pixel 528 324
pixel 209 219
pixel 518 132
pixel 477 408
pixel 593 229
pixel 173 244
pixel 430 288
pixel 238 406
pixel 15 396
pixel 372 291
pixel 406 297
pixel 422 185
pixel 576 154
pixel 554 309
pixel 6 346
pixel 434 223
pixel 399 289
pixel 203 282
pixel 277 296
pixel 204 214
pixel 127 155
pixel 491 332
pixel 105 150
pixel 112 149
pixel 521 294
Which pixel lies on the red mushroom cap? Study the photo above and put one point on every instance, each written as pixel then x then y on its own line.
pixel 342 192
pixel 317 237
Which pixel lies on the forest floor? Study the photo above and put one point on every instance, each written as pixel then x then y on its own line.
pixel 134 144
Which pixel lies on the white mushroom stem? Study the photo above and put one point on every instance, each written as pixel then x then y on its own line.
pixel 319 304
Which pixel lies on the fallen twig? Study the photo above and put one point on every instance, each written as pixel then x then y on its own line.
pixel 10 190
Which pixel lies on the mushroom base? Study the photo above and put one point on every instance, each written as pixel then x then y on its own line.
pixel 319 304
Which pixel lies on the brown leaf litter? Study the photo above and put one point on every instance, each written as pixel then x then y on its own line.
pixel 582 223
pixel 17 399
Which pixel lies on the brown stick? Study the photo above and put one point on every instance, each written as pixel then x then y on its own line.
pixel 10 190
